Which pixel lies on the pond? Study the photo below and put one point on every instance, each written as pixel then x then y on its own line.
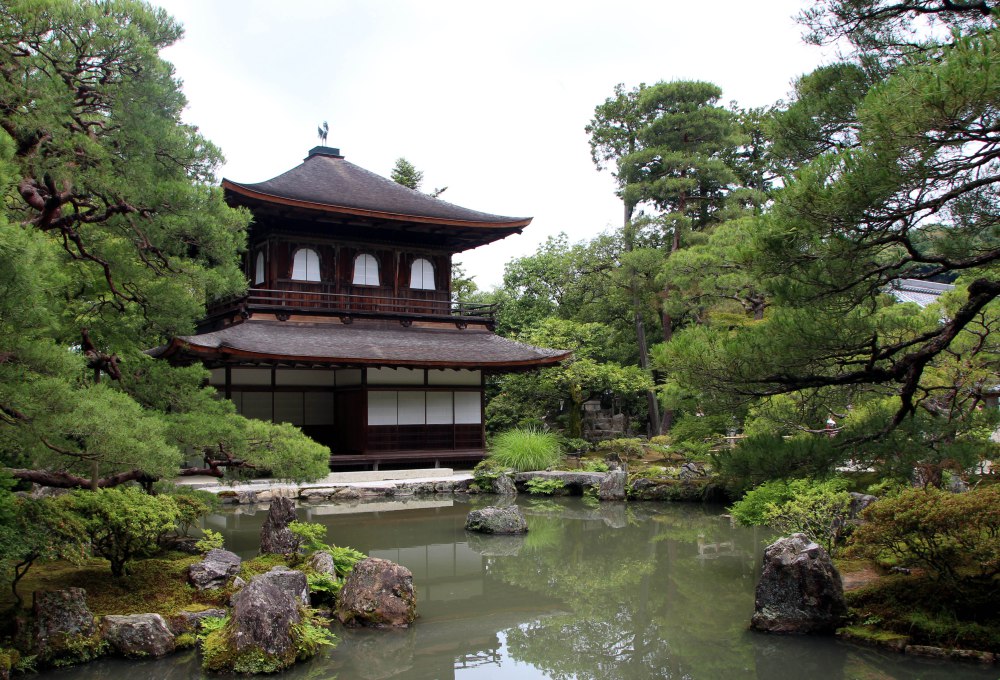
pixel 643 590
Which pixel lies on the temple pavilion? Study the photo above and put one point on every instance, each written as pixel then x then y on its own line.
pixel 349 329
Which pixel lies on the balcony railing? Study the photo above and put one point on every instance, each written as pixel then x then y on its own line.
pixel 359 301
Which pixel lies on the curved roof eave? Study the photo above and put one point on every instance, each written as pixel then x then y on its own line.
pixel 179 346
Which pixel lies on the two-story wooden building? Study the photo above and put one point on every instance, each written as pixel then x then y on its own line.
pixel 349 328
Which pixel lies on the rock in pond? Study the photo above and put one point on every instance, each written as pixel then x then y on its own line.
pixel 800 591
pixel 275 536
pixel 377 593
pixel 258 636
pixel 138 635
pixel 497 520
pixel 214 570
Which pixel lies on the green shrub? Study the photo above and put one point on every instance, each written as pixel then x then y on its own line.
pixel 751 510
pixel 571 444
pixel 595 466
pixel 622 449
pixel 310 536
pixel 952 536
pixel 38 529
pixel 122 524
pixel 210 540
pixel 544 487
pixel 526 449
pixel 819 510
pixel 486 472
pixel 192 504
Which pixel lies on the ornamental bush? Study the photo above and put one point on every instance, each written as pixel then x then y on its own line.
pixel 818 509
pixel 955 537
pixel 122 524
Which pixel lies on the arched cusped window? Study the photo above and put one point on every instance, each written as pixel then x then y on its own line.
pixel 365 270
pixel 422 274
pixel 258 275
pixel 305 265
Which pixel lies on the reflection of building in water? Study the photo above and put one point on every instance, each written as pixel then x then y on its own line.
pixel 441 572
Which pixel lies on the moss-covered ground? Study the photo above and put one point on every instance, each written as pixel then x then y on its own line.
pixel 921 611
pixel 155 585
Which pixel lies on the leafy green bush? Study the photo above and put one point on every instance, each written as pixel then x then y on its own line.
pixel 310 536
pixel 211 540
pixel 570 444
pixel 622 449
pixel 486 472
pixel 526 449
pixel 38 529
pixel 817 509
pixel 544 487
pixel 192 504
pixel 595 466
pixel 952 536
pixel 122 524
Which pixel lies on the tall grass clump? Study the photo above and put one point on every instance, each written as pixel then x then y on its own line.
pixel 525 449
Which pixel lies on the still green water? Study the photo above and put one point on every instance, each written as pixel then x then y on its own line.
pixel 644 590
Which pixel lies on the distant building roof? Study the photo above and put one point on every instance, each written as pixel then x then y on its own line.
pixel 362 343
pixel 326 182
pixel 920 292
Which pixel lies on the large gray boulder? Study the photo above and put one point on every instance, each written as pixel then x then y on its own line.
pixel 292 582
pixel 258 636
pixel 800 591
pixel 497 520
pixel 275 536
pixel 377 593
pixel 138 635
pixel 612 487
pixel 63 628
pixel 215 570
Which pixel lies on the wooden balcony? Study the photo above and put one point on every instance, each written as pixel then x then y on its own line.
pixel 320 299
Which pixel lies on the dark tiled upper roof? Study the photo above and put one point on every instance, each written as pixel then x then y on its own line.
pixel 325 181
pixel 373 344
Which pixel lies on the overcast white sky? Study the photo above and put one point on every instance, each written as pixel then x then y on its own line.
pixel 489 99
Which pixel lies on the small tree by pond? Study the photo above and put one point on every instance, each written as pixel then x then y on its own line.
pixel 122 524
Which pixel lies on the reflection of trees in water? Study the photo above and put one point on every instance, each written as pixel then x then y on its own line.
pixel 640 601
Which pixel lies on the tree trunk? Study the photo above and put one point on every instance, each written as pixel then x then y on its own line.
pixel 65 480
pixel 652 405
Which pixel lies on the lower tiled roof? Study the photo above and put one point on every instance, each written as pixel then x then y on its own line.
pixel 367 344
